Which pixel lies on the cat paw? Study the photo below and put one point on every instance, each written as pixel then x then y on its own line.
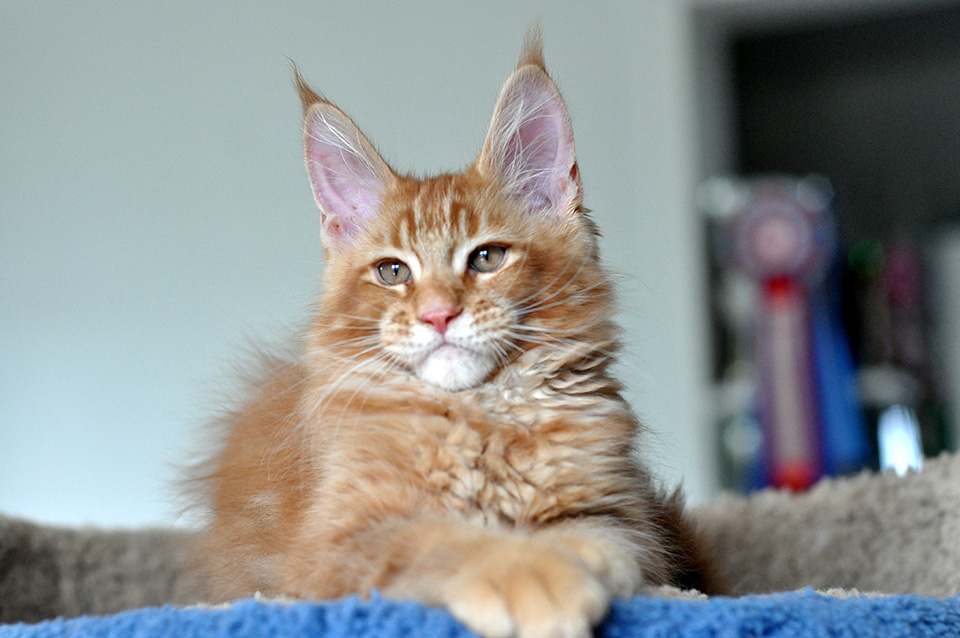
pixel 527 592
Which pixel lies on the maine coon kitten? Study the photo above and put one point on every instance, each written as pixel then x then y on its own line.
pixel 450 432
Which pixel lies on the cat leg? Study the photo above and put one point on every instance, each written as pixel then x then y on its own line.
pixel 555 582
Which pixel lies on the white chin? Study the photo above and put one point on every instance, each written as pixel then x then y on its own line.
pixel 453 368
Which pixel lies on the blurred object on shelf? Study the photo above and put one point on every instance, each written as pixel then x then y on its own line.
pixel 799 419
pixel 886 292
pixel 943 257
pixel 898 438
pixel 897 380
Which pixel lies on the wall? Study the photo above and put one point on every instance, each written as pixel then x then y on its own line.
pixel 155 215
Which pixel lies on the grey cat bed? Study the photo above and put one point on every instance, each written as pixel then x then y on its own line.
pixel 869 533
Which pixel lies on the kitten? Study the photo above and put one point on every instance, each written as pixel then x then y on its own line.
pixel 450 432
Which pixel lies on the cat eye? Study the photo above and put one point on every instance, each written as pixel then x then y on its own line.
pixel 392 272
pixel 487 258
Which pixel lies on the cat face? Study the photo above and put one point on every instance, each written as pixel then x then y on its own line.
pixel 449 313
pixel 454 276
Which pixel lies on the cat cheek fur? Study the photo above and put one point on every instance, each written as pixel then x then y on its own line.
pixel 491 470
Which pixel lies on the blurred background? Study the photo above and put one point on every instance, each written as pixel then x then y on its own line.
pixel 777 183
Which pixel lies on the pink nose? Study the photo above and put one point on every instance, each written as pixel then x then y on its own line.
pixel 440 318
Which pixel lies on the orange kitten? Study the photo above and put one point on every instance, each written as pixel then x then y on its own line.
pixel 450 432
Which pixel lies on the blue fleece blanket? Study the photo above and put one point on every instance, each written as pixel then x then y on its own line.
pixel 793 614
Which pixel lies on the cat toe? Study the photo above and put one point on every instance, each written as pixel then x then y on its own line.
pixel 553 604
pixel 482 608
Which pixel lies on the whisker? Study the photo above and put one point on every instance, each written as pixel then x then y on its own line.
pixel 341 315
pixel 516 275
pixel 556 342
pixel 382 369
pixel 556 278
pixel 341 380
pixel 580 295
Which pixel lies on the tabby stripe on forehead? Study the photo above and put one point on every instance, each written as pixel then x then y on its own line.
pixel 414 219
pixel 396 235
pixel 448 205
pixel 473 222
pixel 408 226
pixel 457 213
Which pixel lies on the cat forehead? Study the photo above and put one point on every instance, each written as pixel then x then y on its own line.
pixel 437 213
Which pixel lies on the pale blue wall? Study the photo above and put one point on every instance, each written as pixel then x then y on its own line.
pixel 154 212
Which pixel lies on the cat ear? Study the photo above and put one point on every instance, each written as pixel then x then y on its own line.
pixel 529 147
pixel 348 176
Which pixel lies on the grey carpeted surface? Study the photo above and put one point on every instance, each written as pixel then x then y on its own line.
pixel 48 571
pixel 880 533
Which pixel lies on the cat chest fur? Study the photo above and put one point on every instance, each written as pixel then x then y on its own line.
pixel 503 464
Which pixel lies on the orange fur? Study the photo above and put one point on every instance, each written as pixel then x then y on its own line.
pixel 517 501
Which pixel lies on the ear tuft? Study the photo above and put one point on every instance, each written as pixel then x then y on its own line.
pixel 308 97
pixel 532 51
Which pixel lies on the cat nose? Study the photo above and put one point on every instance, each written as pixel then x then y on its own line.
pixel 440 318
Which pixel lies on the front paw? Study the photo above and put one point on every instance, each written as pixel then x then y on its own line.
pixel 525 590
